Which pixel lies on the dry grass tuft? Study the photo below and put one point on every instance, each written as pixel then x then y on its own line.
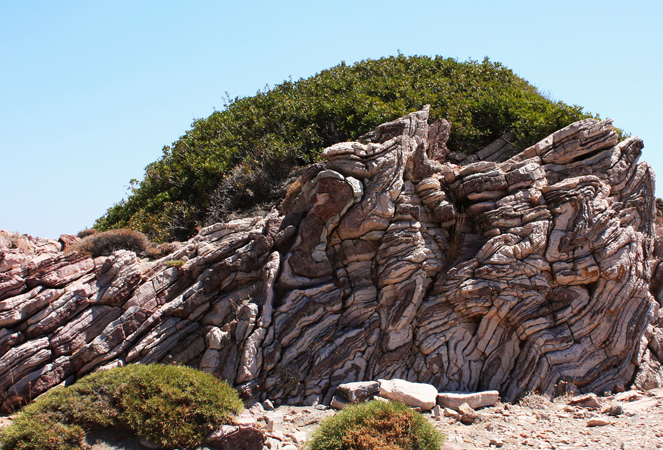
pixel 108 242
pixel 534 400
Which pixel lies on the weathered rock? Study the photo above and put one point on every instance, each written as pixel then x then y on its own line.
pixel 411 394
pixel 507 270
pixel 586 401
pixel 337 402
pixel 359 391
pixel 640 405
pixel 475 400
pixel 241 437
pixel 616 410
pixel 467 414
pixel 598 422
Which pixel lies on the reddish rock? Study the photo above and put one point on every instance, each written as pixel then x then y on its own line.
pixel 67 240
pixel 504 269
pixel 241 437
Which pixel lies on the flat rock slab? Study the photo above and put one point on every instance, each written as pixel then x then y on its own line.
pixel 411 394
pixel 585 401
pixel 640 405
pixel 475 400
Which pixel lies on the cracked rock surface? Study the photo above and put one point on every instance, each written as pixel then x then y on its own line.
pixel 509 271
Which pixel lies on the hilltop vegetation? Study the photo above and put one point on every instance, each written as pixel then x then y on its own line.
pixel 241 157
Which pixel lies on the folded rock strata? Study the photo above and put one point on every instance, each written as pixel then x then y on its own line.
pixel 510 271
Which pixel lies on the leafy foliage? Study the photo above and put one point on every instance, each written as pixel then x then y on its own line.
pixel 168 405
pixel 243 155
pixel 376 424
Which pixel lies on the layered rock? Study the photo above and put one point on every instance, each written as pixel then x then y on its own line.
pixel 388 261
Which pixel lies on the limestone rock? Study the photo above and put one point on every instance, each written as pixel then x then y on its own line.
pixel 359 391
pixel 597 422
pixel 513 270
pixel 586 401
pixel 475 400
pixel 241 437
pixel 337 402
pixel 467 414
pixel 419 395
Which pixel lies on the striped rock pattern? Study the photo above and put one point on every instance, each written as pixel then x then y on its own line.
pixel 387 261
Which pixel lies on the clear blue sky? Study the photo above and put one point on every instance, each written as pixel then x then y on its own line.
pixel 90 91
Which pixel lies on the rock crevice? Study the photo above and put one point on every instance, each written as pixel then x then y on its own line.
pixel 510 271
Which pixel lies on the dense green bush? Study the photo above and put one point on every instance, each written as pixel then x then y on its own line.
pixel 376 425
pixel 242 156
pixel 168 405
pixel 104 244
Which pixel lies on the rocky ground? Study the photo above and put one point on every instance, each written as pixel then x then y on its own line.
pixel 628 420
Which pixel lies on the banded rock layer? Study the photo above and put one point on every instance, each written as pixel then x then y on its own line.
pixel 388 261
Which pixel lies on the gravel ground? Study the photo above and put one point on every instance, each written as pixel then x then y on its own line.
pixel 629 420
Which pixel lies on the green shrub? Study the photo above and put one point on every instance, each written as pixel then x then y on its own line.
pixel 243 155
pixel 376 425
pixel 175 263
pixel 169 405
pixel 104 244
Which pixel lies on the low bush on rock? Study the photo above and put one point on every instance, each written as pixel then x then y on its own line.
pixel 376 425
pixel 156 251
pixel 169 405
pixel 104 244
pixel 86 232
pixel 242 156
pixel 13 240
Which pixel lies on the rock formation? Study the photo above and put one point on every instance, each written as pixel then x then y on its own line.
pixel 509 272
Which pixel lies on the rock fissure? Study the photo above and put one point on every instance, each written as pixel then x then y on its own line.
pixel 509 271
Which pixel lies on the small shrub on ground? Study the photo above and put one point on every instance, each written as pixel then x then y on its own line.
pixel 376 425
pixel 104 244
pixel 535 400
pixel 169 405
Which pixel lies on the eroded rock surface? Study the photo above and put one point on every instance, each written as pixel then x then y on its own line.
pixel 388 261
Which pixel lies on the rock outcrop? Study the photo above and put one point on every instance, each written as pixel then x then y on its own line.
pixel 388 261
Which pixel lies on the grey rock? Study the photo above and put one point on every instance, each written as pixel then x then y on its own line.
pixel 359 390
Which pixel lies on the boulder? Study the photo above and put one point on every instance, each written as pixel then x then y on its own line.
pixel 415 395
pixel 240 437
pixel 586 401
pixel 359 391
pixel 467 414
pixel 475 400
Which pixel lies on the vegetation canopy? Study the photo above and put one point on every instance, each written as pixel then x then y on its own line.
pixel 376 424
pixel 169 405
pixel 242 157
